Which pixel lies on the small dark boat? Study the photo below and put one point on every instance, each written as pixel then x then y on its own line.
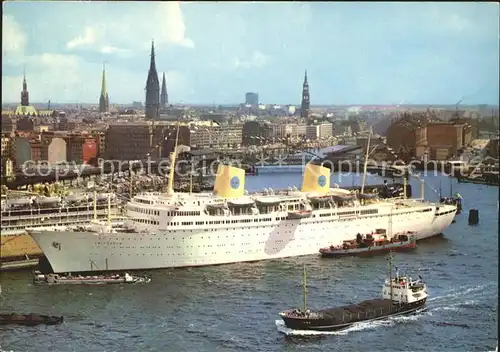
pixel 56 279
pixel 400 295
pixel 372 243
pixel 29 319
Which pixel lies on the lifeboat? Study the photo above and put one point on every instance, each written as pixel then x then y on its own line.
pixel 105 196
pixel 18 202
pixel 241 202
pixel 47 200
pixel 299 214
pixel 77 197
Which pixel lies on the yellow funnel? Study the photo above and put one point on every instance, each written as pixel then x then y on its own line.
pixel 316 179
pixel 229 182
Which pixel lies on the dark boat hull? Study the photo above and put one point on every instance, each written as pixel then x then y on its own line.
pixel 29 320
pixel 336 322
pixel 368 251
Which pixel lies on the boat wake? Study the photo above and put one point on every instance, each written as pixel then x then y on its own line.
pixel 450 301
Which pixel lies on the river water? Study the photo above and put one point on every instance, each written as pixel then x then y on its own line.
pixel 235 307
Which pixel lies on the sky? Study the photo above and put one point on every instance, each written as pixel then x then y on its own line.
pixel 215 52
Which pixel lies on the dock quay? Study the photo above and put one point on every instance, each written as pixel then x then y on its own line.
pixel 18 264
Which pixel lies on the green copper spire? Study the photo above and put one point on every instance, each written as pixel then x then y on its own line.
pixel 104 98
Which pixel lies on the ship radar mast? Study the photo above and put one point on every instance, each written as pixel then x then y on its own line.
pixel 365 166
pixel 170 190
pixel 304 289
pixel 389 258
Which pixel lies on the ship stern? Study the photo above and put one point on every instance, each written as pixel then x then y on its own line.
pixel 297 321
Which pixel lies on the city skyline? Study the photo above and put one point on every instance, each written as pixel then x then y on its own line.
pixel 357 53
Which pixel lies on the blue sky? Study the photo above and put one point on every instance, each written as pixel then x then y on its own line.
pixel 355 53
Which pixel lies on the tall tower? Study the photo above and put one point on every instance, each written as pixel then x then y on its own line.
pixel 104 98
pixel 152 89
pixel 25 100
pixel 305 105
pixel 164 94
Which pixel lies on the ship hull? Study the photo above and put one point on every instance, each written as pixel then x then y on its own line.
pixel 332 324
pixel 88 251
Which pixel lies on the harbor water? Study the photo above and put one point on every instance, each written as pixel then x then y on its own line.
pixel 235 307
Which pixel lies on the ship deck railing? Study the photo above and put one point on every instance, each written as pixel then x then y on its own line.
pixel 38 219
pixel 73 221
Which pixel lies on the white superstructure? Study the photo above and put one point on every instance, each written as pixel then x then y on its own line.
pixel 177 230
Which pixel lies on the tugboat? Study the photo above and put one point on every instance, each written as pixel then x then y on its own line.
pixel 371 244
pixel 400 295
pixel 452 199
pixel 55 279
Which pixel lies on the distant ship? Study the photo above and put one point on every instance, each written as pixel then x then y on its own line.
pixel 400 295
pixel 18 249
pixel 230 225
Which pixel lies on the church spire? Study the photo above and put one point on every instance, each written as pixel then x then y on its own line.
pixel 164 94
pixel 152 63
pixel 152 89
pixel 104 98
pixel 24 92
pixel 305 105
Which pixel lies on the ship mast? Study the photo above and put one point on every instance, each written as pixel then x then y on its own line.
pixel 390 224
pixel 170 190
pixel 95 205
pixel 404 187
pixel 190 181
pixel 304 289
pixel 109 210
pixel 389 257
pixel 366 162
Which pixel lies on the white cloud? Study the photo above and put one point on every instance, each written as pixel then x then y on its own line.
pixel 166 27
pixel 109 49
pixel 14 38
pixel 257 59
pixel 89 37
pixel 173 28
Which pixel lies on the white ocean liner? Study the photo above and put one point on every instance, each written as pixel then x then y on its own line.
pixel 178 230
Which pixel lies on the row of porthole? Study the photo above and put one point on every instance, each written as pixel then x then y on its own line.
pixel 199 246
pixel 264 234
pixel 294 225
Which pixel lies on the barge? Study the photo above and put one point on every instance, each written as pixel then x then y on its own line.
pixel 400 295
